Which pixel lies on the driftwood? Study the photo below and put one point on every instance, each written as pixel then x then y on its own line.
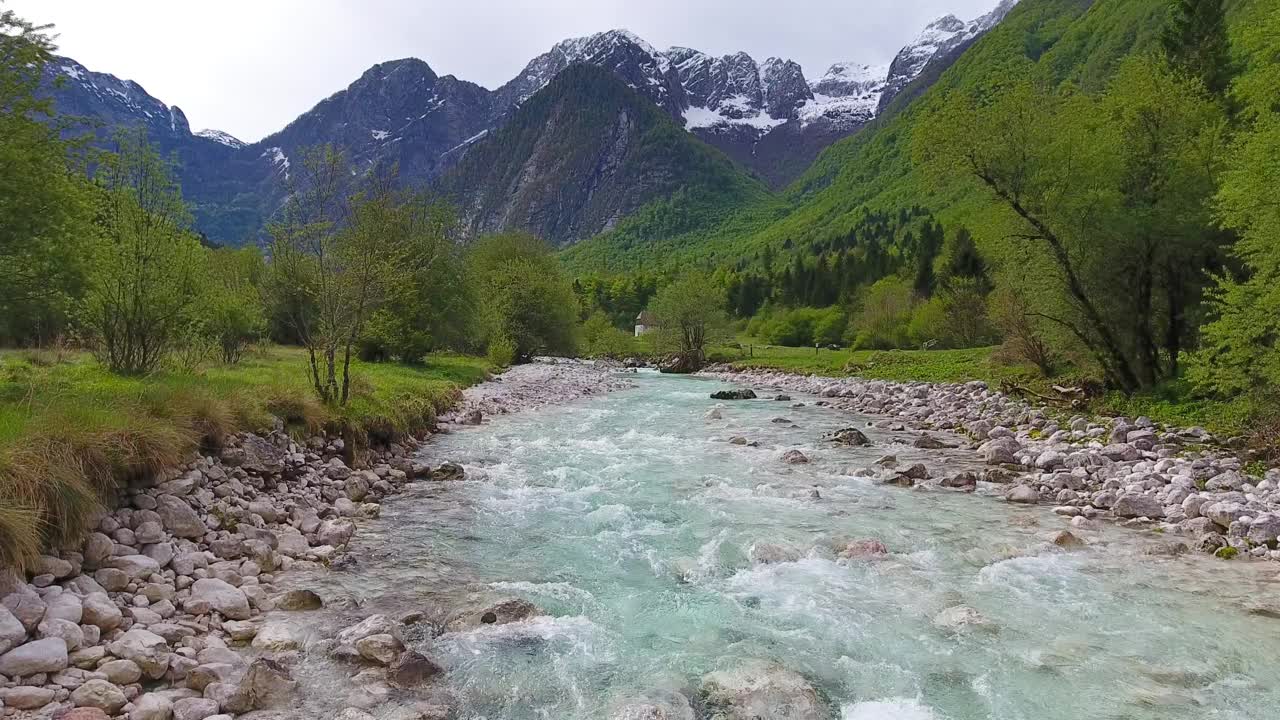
pixel 1070 396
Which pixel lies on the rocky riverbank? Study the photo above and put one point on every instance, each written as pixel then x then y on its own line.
pixel 1132 471
pixel 546 381
pixel 159 614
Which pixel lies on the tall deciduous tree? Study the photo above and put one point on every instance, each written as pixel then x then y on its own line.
pixel 46 206
pixel 690 314
pixel 1240 352
pixel 335 254
pixel 527 305
pixel 143 279
pixel 1195 41
pixel 1108 196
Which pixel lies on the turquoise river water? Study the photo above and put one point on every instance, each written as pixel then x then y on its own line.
pixel 629 520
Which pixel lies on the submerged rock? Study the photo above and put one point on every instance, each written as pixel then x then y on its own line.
pixel 740 394
pixel 850 436
pixel 794 457
pixel 497 613
pixel 761 689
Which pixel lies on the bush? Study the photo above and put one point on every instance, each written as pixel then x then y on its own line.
pixel 599 338
pixel 502 351
pixel 526 297
pixel 143 278
pixel 885 314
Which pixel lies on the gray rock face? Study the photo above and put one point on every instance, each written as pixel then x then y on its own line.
pixel 26 697
pixel 40 656
pixel 178 517
pixel 760 689
pixel 1134 506
pixel 12 633
pixel 145 649
pixel 217 595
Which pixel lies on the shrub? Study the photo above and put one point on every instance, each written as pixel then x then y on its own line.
pixel 885 314
pixel 502 351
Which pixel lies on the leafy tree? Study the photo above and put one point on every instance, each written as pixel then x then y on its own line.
pixel 335 255
pixel 431 304
pixel 601 338
pixel 1239 352
pixel 143 284
pixel 884 315
pixel 1109 195
pixel 526 299
pixel 1195 41
pixel 690 314
pixel 233 314
pixel 47 207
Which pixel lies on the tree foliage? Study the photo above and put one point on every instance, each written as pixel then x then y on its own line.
pixel 526 300
pixel 1239 352
pixel 1108 195
pixel 47 206
pixel 690 314
pixel 143 284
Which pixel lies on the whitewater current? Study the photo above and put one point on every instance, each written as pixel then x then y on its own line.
pixel 629 520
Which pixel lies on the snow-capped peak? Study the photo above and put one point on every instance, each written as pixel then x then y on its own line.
pixel 219 136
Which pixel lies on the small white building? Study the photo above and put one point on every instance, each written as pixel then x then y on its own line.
pixel 644 322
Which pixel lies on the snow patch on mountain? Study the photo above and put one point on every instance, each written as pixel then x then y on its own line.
pixel 219 136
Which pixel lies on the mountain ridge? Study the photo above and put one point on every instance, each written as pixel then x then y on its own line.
pixel 765 116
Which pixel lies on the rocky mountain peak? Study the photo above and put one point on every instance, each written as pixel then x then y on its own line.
pixel 940 39
pixel 784 87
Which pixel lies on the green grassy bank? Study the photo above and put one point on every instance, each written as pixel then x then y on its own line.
pixel 71 431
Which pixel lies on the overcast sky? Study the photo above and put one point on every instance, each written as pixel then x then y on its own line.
pixel 250 66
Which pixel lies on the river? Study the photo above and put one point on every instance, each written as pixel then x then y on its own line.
pixel 629 520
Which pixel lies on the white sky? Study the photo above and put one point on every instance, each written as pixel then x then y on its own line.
pixel 250 67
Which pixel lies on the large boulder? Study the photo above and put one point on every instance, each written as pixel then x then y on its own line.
pixel 335 532
pixel 411 668
pixel 137 567
pixel 40 656
pixel 372 625
pixel 265 684
pixel 178 517
pixel 495 613
pixel 25 697
pixel 760 689
pixel 740 394
pixel 1023 494
pixel 99 694
pixel 276 637
pixel 12 633
pixel 152 706
pixel 25 605
pixel 147 650
pixel 212 594
pixel 99 610
pixel 850 436
pixel 1133 505
pixel 382 649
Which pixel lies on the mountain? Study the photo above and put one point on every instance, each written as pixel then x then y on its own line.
pixel 583 152
pixel 1080 42
pixel 941 42
pixel 767 117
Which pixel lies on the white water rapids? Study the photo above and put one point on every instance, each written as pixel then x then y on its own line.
pixel 629 520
